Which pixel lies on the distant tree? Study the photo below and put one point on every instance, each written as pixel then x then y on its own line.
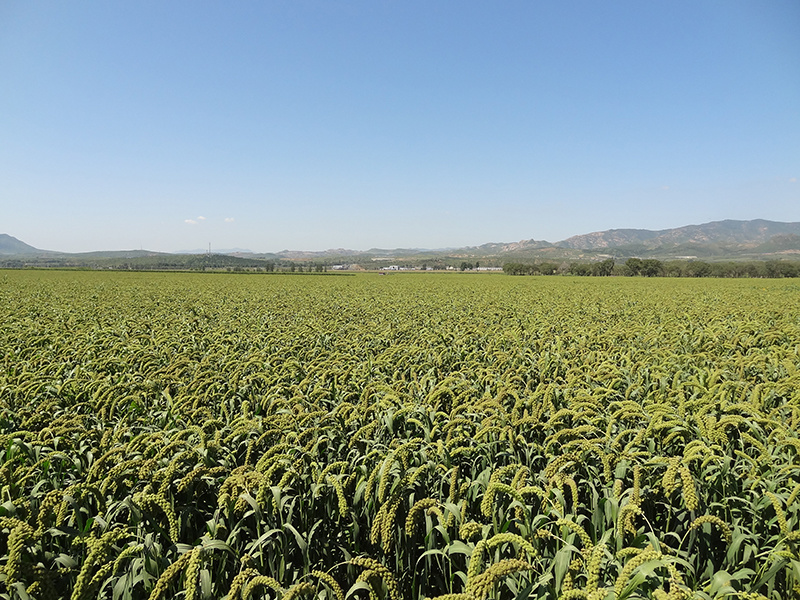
pixel 697 268
pixel 580 269
pixel 652 267
pixel 753 270
pixel 516 269
pixel 604 268
pixel 673 269
pixel 724 269
pixel 548 268
pixel 532 269
pixel 778 268
pixel 633 266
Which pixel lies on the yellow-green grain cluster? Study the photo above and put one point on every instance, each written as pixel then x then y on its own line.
pixel 399 437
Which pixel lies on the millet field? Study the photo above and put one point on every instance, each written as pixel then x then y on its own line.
pixel 401 437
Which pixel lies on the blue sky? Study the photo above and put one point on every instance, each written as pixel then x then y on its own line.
pixel 322 124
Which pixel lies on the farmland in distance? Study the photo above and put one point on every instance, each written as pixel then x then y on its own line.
pixel 408 436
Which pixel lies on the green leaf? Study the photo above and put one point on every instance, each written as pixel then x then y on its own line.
pixel 205 583
pixel 20 592
pixel 743 574
pixel 639 576
pixel 359 585
pixel 525 592
pixel 776 566
pixel 721 584
pixel 459 547
pixel 301 543
pixel 66 561
pixel 210 544
pixel 432 552
pixel 561 564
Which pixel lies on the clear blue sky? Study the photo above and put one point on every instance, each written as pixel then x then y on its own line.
pixel 320 124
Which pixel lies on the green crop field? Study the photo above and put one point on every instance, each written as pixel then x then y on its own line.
pixel 402 437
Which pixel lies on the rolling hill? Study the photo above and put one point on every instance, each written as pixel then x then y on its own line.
pixel 757 239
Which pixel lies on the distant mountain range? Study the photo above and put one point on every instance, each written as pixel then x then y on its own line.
pixel 216 251
pixel 745 233
pixel 719 240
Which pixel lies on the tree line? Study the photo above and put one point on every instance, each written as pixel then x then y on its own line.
pixel 650 267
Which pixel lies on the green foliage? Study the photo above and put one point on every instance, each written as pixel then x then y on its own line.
pixel 651 267
pixel 544 268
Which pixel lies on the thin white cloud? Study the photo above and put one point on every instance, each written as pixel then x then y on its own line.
pixel 190 221
pixel 201 218
pixel 229 219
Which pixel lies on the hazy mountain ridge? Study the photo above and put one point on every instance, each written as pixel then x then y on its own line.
pixel 722 233
pixel 234 251
pixel 743 240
